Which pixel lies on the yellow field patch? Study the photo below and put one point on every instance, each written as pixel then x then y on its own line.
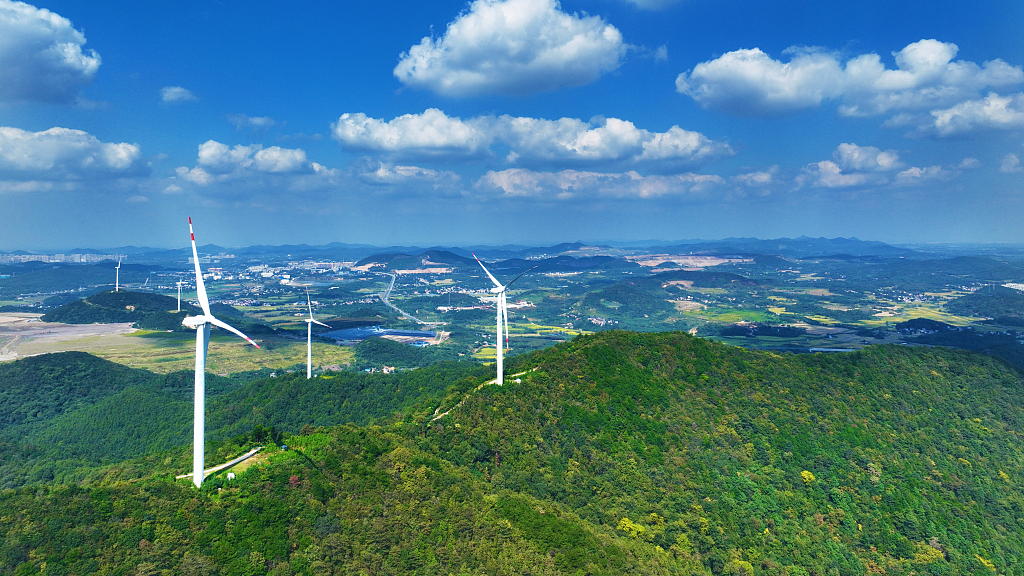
pixel 915 310
pixel 823 319
pixel 486 353
pixel 732 317
pixel 531 329
pixel 947 295
pixel 164 352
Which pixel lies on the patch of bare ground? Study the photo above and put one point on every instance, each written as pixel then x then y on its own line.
pixel 686 260
pixel 687 305
pixel 23 334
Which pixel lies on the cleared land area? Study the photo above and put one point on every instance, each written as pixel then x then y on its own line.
pixel 23 335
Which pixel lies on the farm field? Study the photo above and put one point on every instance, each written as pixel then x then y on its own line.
pixel 791 302
pixel 162 352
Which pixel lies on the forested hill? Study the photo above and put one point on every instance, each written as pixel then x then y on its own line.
pixel 146 311
pixel 617 453
pixel 1004 304
pixel 70 416
pixel 39 388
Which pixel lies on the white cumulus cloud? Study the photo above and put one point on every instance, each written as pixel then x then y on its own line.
pixel 992 112
pixel 828 174
pixel 914 176
pixel 528 140
pixel 218 159
pixel 379 173
pixel 865 158
pixel 252 170
pixel 63 154
pixel 570 184
pixel 750 82
pixel 432 133
pixel 567 138
pixel 176 94
pixel 851 165
pixel 281 160
pixel 41 56
pixel 513 47
pixel 758 179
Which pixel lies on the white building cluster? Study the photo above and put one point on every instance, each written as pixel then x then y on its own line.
pixel 73 258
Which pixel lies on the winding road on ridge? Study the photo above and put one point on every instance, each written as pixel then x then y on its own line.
pixel 387 294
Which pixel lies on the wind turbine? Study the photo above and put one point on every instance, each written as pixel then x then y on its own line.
pixel 499 289
pixel 309 337
pixel 179 295
pixel 117 276
pixel 202 326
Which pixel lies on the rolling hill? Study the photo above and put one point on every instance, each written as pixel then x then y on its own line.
pixel 145 310
pixel 614 453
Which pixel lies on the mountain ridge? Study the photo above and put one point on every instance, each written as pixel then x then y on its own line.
pixel 616 452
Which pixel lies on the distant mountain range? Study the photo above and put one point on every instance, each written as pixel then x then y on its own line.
pixel 801 247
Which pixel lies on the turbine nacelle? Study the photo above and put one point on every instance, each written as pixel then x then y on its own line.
pixel 497 290
pixel 195 321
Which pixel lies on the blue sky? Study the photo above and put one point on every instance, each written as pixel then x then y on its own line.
pixel 511 121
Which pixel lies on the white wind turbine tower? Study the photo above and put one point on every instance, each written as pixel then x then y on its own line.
pixel 202 326
pixel 499 289
pixel 179 295
pixel 117 276
pixel 309 336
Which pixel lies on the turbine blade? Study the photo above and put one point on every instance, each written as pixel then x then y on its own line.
pixel 224 325
pixel 321 323
pixel 309 304
pixel 204 302
pixel 489 275
pixel 518 277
